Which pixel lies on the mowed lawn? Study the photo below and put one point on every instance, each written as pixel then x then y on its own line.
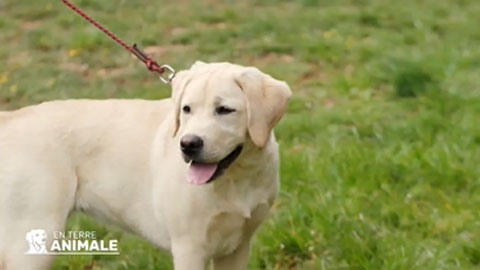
pixel 381 144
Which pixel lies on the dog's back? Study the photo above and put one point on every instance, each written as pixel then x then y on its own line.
pixel 3 116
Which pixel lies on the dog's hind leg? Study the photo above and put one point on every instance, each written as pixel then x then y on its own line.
pixel 33 196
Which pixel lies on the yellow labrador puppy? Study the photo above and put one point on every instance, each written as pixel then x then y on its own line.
pixel 194 174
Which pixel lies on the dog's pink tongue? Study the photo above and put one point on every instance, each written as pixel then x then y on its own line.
pixel 199 174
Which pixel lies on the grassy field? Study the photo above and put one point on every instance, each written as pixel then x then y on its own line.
pixel 380 147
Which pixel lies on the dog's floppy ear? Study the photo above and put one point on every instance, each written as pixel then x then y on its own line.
pixel 178 87
pixel 267 100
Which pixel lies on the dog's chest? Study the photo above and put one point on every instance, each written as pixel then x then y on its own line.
pixel 225 232
pixel 227 229
pixel 240 207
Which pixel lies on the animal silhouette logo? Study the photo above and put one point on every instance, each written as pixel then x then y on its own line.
pixel 37 240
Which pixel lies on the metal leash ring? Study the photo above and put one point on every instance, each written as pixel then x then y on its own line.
pixel 167 79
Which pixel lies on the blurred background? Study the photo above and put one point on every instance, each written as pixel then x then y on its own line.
pixel 380 146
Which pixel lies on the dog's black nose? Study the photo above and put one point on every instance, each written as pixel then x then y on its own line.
pixel 191 144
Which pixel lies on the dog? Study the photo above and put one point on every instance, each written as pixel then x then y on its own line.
pixel 194 174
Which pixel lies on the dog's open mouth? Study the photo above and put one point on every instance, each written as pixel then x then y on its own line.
pixel 202 173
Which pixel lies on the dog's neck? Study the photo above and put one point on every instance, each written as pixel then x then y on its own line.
pixel 250 173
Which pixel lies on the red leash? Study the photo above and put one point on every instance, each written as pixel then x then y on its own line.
pixel 149 62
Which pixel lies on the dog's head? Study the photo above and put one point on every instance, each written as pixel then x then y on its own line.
pixel 219 107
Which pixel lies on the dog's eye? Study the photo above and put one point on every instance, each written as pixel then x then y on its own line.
pixel 224 110
pixel 186 109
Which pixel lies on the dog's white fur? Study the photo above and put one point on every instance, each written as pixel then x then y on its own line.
pixel 121 160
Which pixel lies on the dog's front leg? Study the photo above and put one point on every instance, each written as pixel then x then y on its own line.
pixel 187 256
pixel 238 260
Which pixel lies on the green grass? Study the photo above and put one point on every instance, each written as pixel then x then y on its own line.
pixel 380 147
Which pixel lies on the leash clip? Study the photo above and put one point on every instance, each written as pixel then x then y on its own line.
pixel 167 79
pixel 153 66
